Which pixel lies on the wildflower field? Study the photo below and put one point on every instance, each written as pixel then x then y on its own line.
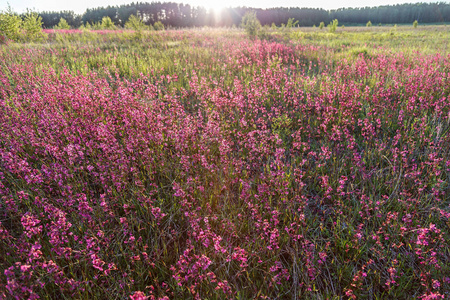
pixel 204 164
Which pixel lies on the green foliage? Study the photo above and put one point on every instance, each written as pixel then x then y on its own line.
pixel 333 25
pixel 290 23
pixel 360 51
pixel 10 24
pixel 62 24
pixel 282 126
pixel 135 23
pixel 263 33
pixel 321 25
pixel 415 23
pixel 369 24
pixel 251 24
pixel 158 26
pixel 96 26
pixel 107 23
pixel 32 26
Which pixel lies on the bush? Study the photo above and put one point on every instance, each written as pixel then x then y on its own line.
pixel 10 24
pixel 107 23
pixel 290 23
pixel 263 33
pixel 369 24
pixel 251 24
pixel 96 26
pixel 62 24
pixel 415 23
pixel 135 23
pixel 333 25
pixel 158 26
pixel 32 26
pixel 321 25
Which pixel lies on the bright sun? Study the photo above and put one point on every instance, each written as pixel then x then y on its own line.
pixel 216 6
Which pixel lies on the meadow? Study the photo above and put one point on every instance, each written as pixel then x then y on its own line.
pixel 205 164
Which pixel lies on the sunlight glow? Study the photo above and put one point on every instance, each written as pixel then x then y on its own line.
pixel 215 6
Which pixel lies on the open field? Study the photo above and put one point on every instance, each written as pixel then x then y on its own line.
pixel 202 164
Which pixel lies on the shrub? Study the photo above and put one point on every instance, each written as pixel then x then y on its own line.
pixel 360 51
pixel 107 23
pixel 251 24
pixel 135 23
pixel 62 24
pixel 415 23
pixel 333 25
pixel 321 25
pixel 158 26
pixel 32 26
pixel 10 24
pixel 369 24
pixel 263 33
pixel 290 23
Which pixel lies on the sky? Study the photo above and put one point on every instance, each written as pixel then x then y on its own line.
pixel 79 6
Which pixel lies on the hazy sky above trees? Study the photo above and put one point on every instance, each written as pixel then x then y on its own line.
pixel 79 6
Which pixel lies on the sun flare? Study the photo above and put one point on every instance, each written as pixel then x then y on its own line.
pixel 216 7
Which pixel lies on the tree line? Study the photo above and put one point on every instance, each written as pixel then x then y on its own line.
pixel 177 15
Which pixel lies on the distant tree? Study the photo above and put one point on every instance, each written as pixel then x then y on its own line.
pixel 96 15
pixel 124 13
pixel 400 13
pixel 173 14
pixel 369 24
pixel 62 24
pixel 51 19
pixel 415 23
pixel 250 24
pixel 321 25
